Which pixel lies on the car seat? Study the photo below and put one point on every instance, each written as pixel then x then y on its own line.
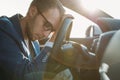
pixel 112 56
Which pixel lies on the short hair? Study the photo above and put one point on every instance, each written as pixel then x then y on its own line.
pixel 44 5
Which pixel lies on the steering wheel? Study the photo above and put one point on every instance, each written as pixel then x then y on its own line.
pixel 63 35
pixel 54 65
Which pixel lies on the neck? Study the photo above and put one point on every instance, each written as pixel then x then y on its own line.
pixel 23 22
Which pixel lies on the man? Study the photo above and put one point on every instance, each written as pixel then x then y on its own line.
pixel 18 59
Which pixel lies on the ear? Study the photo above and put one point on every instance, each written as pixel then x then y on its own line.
pixel 32 11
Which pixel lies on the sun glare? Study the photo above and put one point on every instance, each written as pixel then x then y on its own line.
pixel 80 24
pixel 109 6
pixel 90 5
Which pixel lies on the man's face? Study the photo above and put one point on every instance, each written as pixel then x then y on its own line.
pixel 41 24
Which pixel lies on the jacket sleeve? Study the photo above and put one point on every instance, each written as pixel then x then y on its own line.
pixel 14 65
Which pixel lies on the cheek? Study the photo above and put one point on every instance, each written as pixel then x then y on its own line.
pixel 36 24
pixel 37 28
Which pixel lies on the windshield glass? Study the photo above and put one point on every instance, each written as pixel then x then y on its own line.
pixel 109 6
pixel 80 24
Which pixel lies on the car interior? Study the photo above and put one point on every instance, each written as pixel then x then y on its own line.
pixel 93 57
pixel 77 57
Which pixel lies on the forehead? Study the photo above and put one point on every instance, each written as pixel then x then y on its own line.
pixel 53 16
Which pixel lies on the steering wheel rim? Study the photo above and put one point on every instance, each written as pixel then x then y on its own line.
pixel 50 70
pixel 66 24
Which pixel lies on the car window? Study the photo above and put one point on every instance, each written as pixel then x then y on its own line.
pixel 80 24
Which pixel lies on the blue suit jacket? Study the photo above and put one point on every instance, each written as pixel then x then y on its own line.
pixel 14 61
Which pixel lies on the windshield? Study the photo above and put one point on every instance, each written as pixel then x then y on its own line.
pixel 81 23
pixel 109 6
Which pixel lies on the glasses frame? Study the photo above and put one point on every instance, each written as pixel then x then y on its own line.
pixel 47 25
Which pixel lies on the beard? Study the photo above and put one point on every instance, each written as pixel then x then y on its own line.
pixel 29 33
pixel 31 36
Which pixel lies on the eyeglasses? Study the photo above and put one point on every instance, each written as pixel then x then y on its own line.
pixel 47 25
